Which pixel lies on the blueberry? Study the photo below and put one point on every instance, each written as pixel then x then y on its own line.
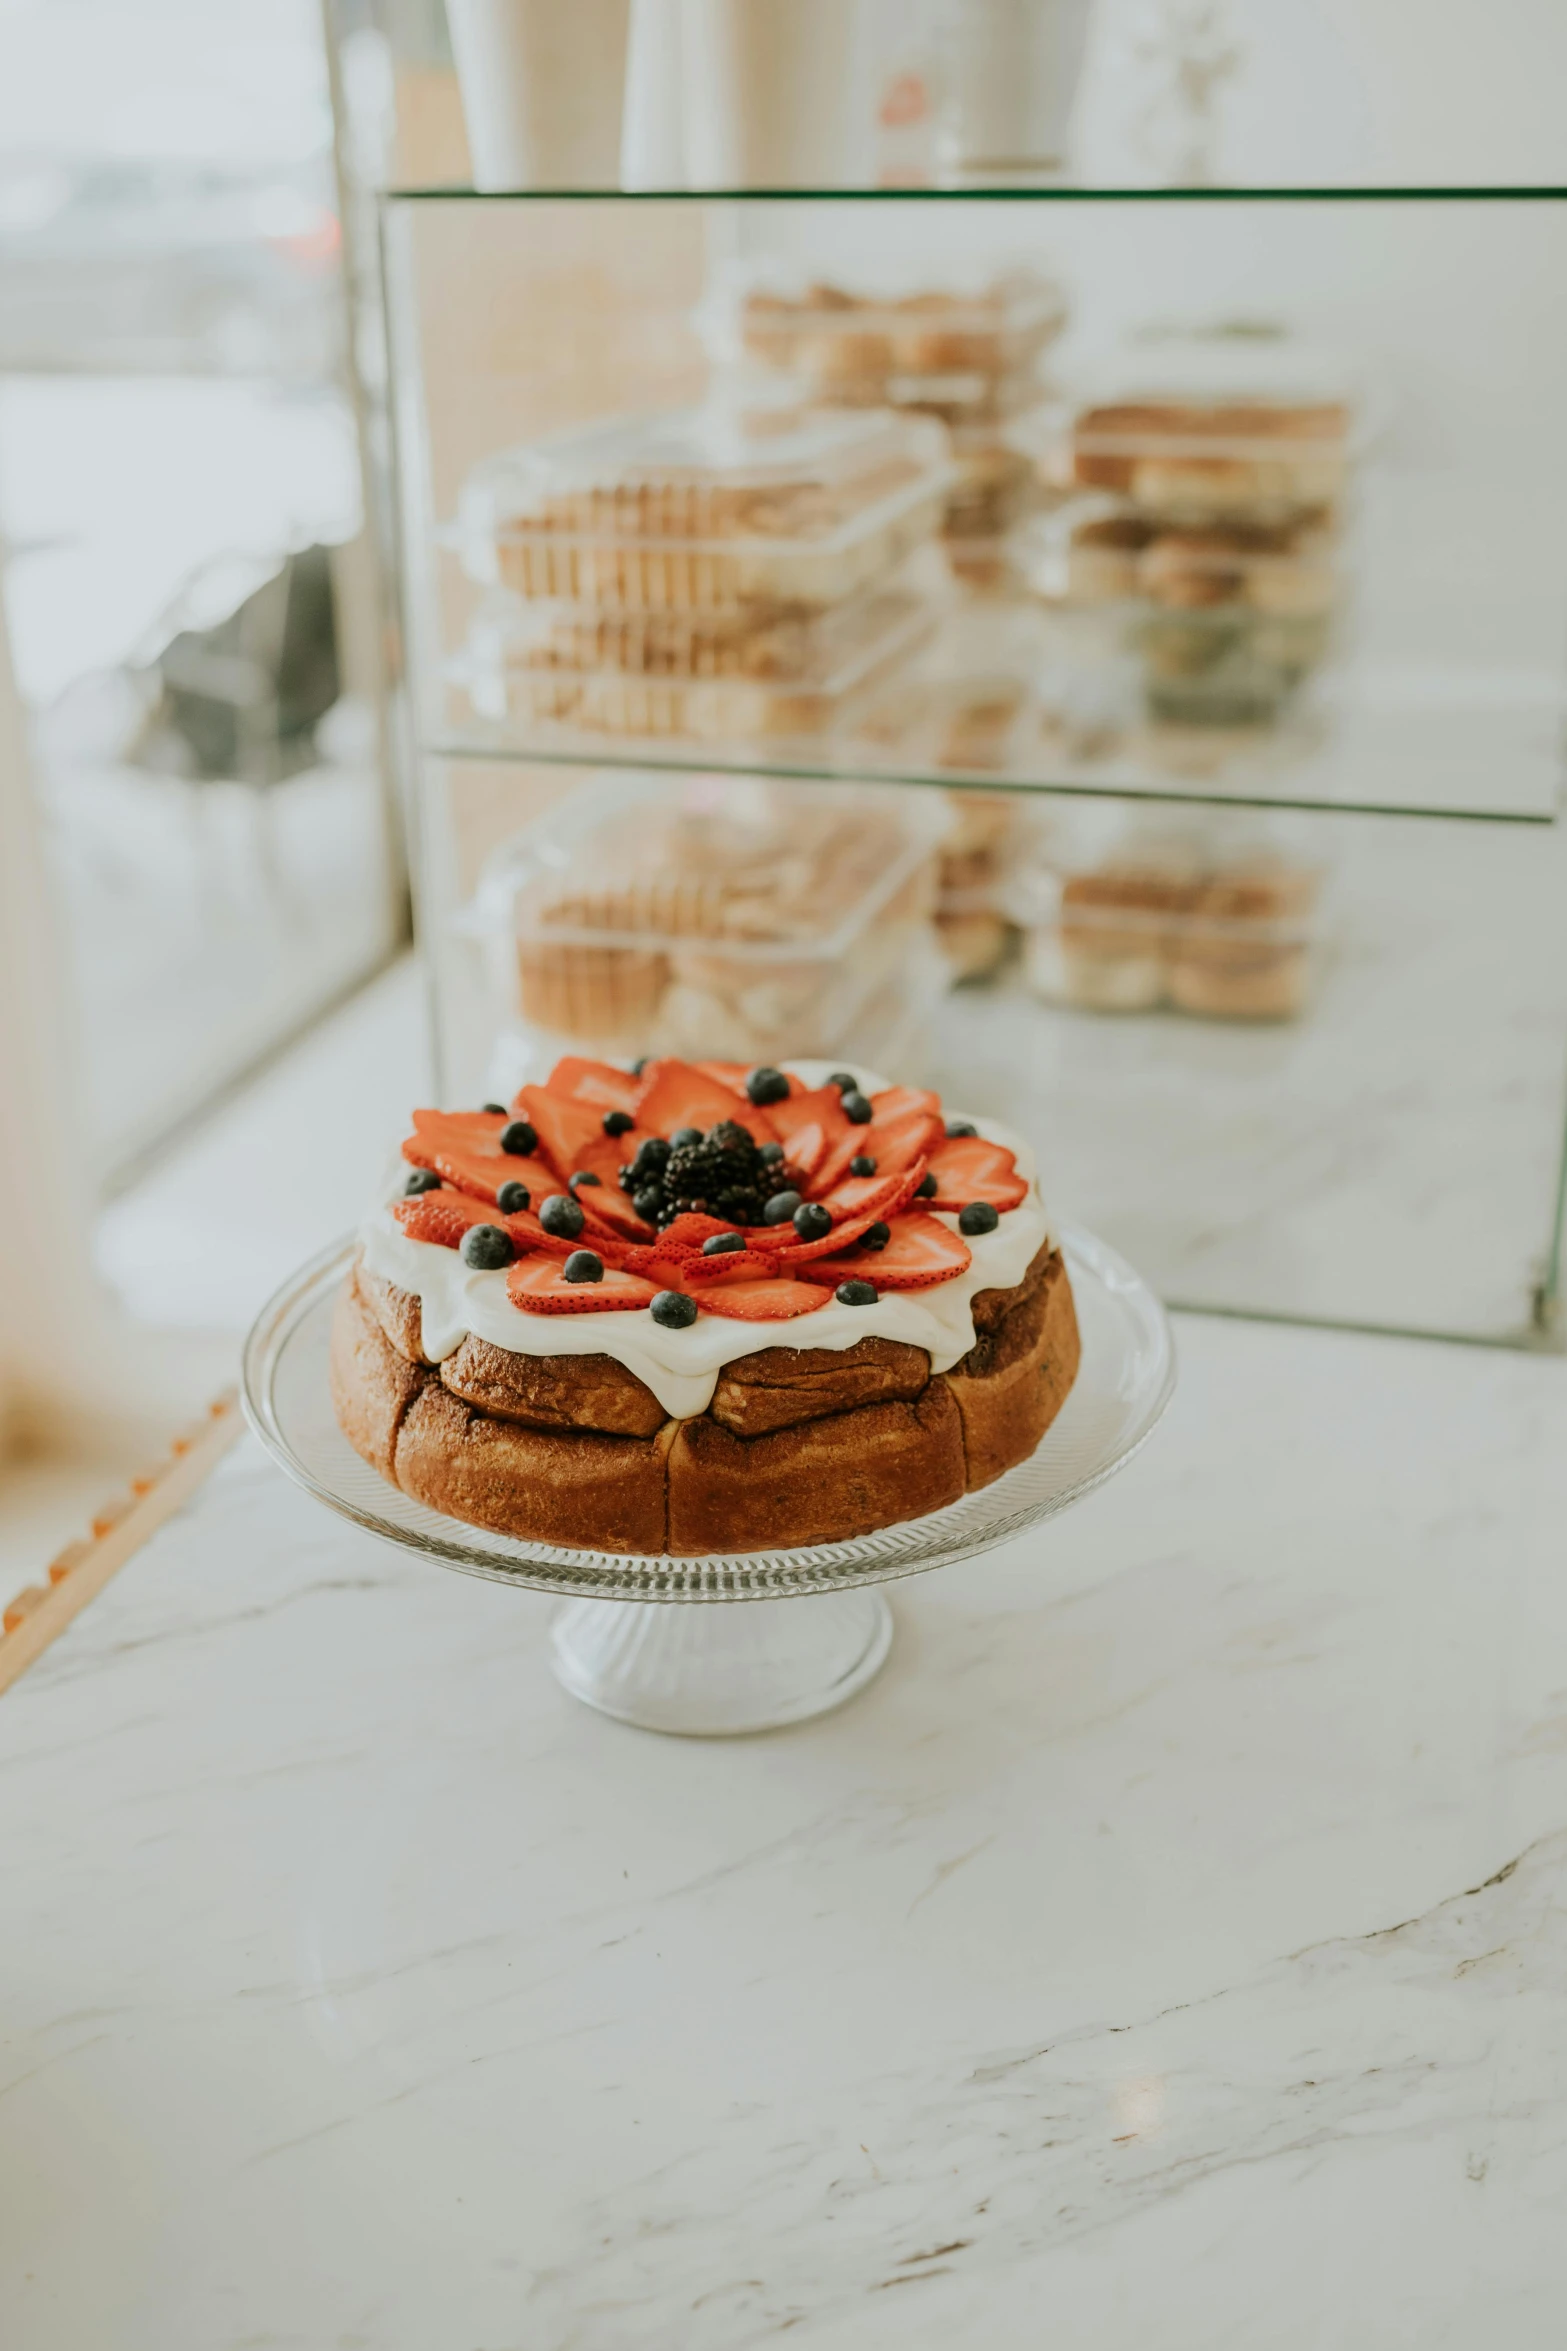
pixel 770 1154
pixel 674 1310
pixel 560 1215
pixel 618 1122
pixel 856 1293
pixel 652 1157
pixel 856 1109
pixel 961 1126
pixel 583 1176
pixel 423 1179
pixel 647 1205
pixel 862 1164
pixel 812 1221
pixel 720 1244
pixel 780 1207
pixel 978 1217
pixel 683 1136
pixel 485 1246
pixel 845 1081
pixel 926 1188
pixel 494 1109
pixel 876 1236
pixel 583 1265
pixel 519 1138
pixel 513 1197
pixel 637 1067
pixel 767 1085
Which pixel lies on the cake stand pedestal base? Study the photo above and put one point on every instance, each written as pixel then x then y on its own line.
pixel 713 1673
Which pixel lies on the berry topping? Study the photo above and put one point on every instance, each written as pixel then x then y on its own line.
pixel 494 1109
pixel 651 1160
pixel 639 1065
pixel 618 1122
pixel 845 1081
pixel 560 1215
pixel 920 1252
pixel 541 1285
pixel 584 1175
pixel 583 1265
pixel 811 1221
pixel 595 1085
pixel 770 1154
pixel 767 1085
pixel 683 1138
pixel 905 1126
pixel 674 1310
pixel 519 1138
pixel 959 1128
pixel 464 1146
pixel 780 1208
pixel 441 1218
pixel 978 1217
pixel 512 1197
pixel 967 1167
pixel 856 1108
pixel 775 1298
pixel 648 1203
pixel 719 1244
pixel 425 1179
pixel 719 1174
pixel 925 1189
pixel 486 1247
pixel 862 1164
pixel 876 1236
pixel 676 1094
pixel 856 1293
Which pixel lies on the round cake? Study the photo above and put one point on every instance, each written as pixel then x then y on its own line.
pixel 693 1308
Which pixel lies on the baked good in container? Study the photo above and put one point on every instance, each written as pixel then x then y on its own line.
pixel 545 1334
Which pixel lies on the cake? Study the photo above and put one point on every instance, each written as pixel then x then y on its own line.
pixel 693 1308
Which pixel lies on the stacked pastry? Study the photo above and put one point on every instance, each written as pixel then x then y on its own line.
pixel 729 572
pixel 716 917
pixel 970 360
pixel 1213 516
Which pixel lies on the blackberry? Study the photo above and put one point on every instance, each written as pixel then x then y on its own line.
pixel 719 1173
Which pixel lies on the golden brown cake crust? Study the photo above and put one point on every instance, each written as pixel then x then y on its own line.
pixel 799 1445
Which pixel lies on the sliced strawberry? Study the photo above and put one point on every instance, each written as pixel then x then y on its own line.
pixel 678 1094
pixel 895 1138
pixel 843 1236
pixel 686 1232
pixel 808 1125
pixel 730 1265
pixel 563 1128
pixel 967 1168
pixel 664 1272
pixel 539 1286
pixel 442 1217
pixel 526 1230
pixel 599 1084
pixel 604 1157
pixel 877 1195
pixel 777 1299
pixel 464 1146
pixel 921 1252
pixel 732 1074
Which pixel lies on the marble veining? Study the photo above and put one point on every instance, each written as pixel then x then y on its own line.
pixel 1168 1950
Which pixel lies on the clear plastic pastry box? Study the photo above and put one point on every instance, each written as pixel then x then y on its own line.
pixel 739 674
pixel 705 509
pixel 1217 918
pixel 960 356
pixel 713 916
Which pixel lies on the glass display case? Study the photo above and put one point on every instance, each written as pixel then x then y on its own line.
pixel 1195 564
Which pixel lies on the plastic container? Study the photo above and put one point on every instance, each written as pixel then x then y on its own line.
pixel 1226 621
pixel 711 916
pixel 960 357
pixel 739 675
pixel 973 918
pixel 698 510
pixel 1226 927
pixel 1242 426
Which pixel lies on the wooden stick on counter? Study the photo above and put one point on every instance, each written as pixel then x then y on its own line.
pixel 78 1574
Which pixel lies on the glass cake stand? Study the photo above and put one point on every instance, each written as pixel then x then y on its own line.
pixel 715 1672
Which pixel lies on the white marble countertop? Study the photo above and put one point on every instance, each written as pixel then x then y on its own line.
pixel 1168 1950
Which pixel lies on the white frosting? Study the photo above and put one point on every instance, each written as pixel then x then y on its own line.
pixel 682 1367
